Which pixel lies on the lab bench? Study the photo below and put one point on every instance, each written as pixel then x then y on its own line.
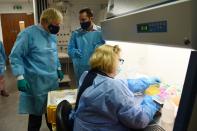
pixel 64 59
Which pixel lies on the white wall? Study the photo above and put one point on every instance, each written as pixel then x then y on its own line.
pixel 168 63
pixel 8 7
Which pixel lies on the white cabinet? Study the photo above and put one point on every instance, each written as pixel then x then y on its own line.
pixel 119 7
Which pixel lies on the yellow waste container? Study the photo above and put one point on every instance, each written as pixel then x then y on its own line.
pixel 54 98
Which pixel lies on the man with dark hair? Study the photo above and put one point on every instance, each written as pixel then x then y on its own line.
pixel 83 42
pixel 88 11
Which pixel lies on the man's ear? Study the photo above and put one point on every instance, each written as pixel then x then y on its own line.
pixel 45 25
pixel 91 18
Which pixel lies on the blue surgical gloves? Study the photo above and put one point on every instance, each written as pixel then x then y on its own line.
pixel 141 84
pixel 152 80
pixel 75 53
pixel 78 53
pixel 150 106
pixel 23 85
pixel 60 74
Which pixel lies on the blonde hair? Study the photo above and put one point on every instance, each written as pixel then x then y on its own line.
pixel 105 58
pixel 51 14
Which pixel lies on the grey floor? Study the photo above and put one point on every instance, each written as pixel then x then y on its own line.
pixel 10 120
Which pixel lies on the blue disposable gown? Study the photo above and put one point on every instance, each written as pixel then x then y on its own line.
pixel 34 56
pixel 86 42
pixel 109 105
pixel 2 59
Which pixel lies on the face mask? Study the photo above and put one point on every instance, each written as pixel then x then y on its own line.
pixel 53 29
pixel 85 25
pixel 119 69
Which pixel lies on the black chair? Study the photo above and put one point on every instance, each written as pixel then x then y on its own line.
pixel 154 127
pixel 63 110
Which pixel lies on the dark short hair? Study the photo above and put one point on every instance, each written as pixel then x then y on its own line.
pixel 88 11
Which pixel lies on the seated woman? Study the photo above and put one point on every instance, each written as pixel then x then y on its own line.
pixel 108 104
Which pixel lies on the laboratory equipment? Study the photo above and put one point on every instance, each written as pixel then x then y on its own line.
pixel 160 41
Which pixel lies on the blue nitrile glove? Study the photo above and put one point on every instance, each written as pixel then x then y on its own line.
pixel 141 84
pixel 150 105
pixel 60 74
pixel 153 80
pixel 23 85
pixel 78 53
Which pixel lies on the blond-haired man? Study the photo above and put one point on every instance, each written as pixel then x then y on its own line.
pixel 34 61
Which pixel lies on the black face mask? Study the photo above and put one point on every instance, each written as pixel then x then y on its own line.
pixel 53 29
pixel 85 25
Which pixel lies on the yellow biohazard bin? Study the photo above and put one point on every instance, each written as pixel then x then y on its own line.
pixel 54 98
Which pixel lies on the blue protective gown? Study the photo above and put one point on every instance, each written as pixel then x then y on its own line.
pixel 2 59
pixel 109 105
pixel 35 56
pixel 85 42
